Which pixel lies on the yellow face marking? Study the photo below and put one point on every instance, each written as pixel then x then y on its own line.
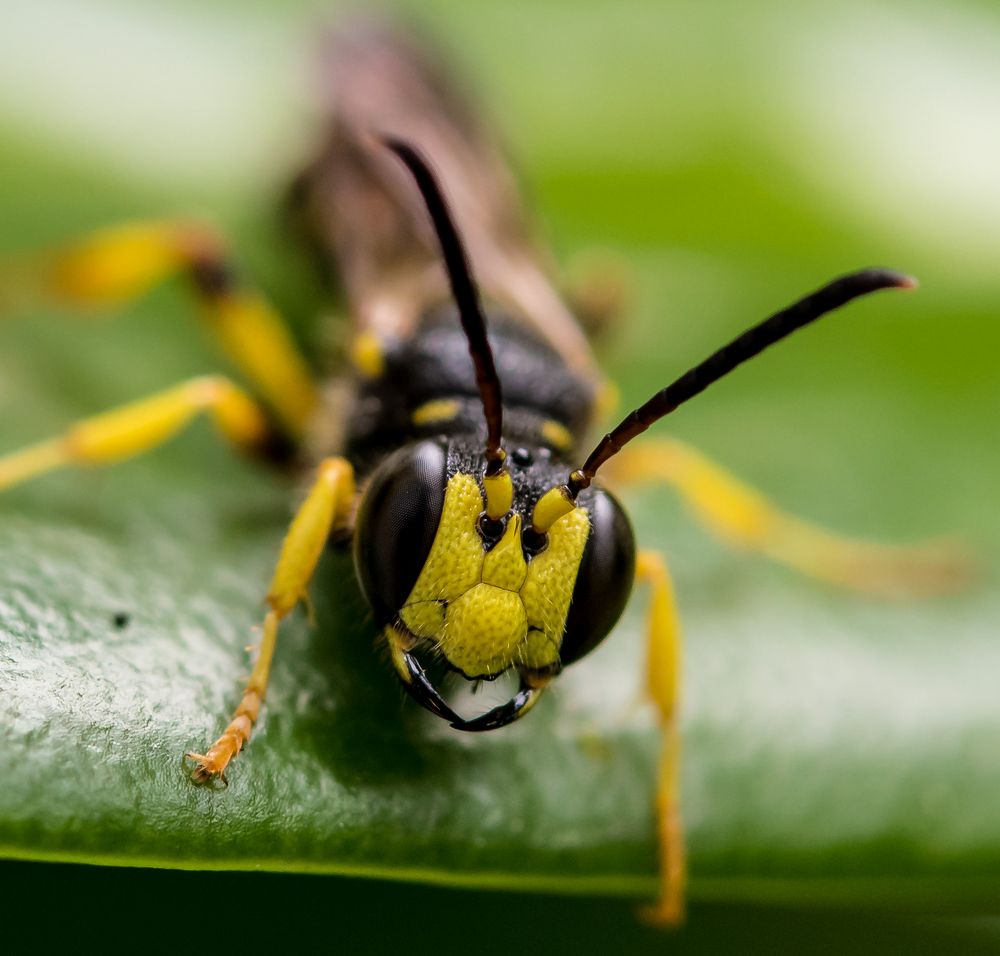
pixel 504 566
pixel 455 562
pixel 483 630
pixel 367 356
pixel 488 612
pixel 437 410
pixel 557 435
pixel 549 587
pixel 399 643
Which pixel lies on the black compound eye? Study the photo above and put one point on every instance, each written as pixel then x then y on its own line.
pixel 604 581
pixel 396 525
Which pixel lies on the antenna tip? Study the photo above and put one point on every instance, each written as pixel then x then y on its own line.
pixel 907 282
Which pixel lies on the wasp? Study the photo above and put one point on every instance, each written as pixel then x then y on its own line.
pixel 453 453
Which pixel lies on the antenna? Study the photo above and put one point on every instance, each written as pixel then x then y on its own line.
pixel 466 297
pixel 557 501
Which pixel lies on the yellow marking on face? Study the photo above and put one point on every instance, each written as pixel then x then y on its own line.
pixel 367 356
pixel 557 435
pixel 455 562
pixel 484 629
pixel 548 588
pixel 504 566
pixel 399 643
pixel 436 410
pixel 489 611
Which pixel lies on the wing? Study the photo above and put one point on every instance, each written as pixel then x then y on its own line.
pixel 364 213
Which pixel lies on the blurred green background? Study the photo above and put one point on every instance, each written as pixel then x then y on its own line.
pixel 839 751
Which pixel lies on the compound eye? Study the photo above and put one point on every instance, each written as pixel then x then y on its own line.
pixel 396 525
pixel 604 581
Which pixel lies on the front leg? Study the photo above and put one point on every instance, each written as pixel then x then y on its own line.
pixel 327 504
pixel 663 676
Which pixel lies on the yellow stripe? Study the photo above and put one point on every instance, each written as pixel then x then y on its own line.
pixel 437 410
pixel 367 356
pixel 557 435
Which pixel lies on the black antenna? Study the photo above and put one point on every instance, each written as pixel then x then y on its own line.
pixel 466 296
pixel 750 343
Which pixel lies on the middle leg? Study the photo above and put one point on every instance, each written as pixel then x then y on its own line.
pixel 744 517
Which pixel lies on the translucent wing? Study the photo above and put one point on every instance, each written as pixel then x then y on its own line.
pixel 367 218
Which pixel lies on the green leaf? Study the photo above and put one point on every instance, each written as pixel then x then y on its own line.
pixel 836 749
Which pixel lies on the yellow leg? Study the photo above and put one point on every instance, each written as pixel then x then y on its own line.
pixel 663 671
pixel 327 504
pixel 117 264
pixel 744 517
pixel 136 428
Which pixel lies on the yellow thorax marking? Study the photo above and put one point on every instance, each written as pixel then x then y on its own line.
pixel 436 410
pixel 557 435
pixel 488 612
pixel 366 355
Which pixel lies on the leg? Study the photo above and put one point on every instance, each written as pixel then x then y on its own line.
pixel 328 503
pixel 663 665
pixel 117 264
pixel 742 516
pixel 141 426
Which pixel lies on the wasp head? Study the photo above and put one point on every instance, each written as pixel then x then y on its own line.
pixel 452 564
